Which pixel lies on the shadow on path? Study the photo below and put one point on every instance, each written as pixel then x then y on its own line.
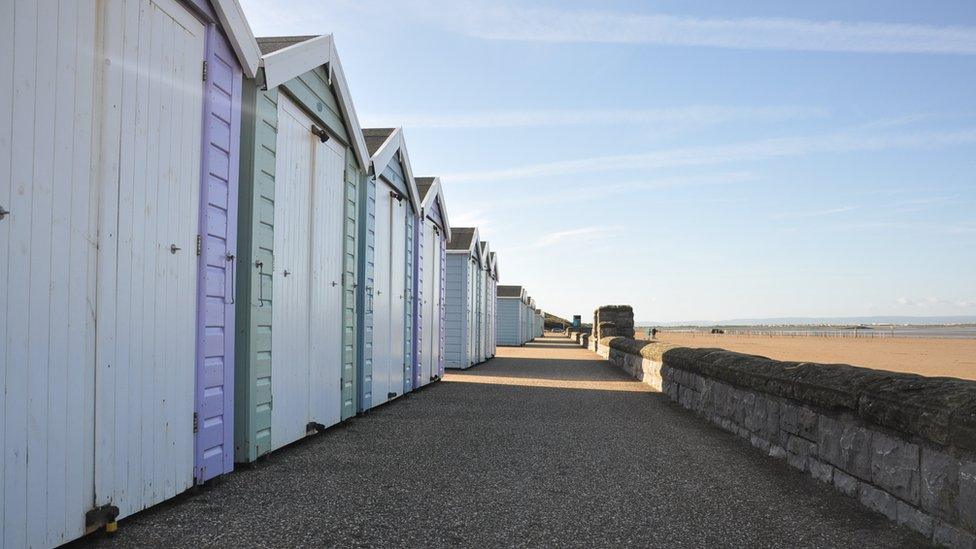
pixel 600 461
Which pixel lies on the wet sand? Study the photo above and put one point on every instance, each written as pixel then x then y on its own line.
pixel 929 357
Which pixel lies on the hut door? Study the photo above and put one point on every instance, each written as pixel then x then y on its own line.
pixel 151 101
pixel 381 298
pixel 324 389
pixel 398 297
pixel 436 304
pixel 430 303
pixel 292 279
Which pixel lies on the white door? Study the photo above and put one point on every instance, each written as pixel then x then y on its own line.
pixel 431 265
pixel 325 391
pixel 398 297
pixel 381 298
pixel 149 176
pixel 437 304
pixel 291 299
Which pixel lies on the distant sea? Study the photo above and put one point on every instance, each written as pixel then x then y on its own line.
pixel 920 331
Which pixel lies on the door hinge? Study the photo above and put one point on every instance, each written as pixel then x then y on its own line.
pixel 204 70
pixel 196 422
pixel 199 244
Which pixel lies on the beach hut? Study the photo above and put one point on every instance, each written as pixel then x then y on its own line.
pixel 538 329
pixel 463 260
pixel 481 304
pixel 301 170
pixel 117 238
pixel 509 315
pixel 528 310
pixel 387 285
pixel 432 236
pixel 492 303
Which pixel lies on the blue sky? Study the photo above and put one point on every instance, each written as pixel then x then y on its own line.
pixel 697 160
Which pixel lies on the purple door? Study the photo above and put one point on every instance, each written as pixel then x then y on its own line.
pixel 213 418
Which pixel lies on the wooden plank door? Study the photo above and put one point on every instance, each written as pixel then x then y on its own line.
pixel 381 298
pixel 325 393
pixel 399 358
pixel 149 177
pixel 290 370
pixel 430 339
pixel 214 444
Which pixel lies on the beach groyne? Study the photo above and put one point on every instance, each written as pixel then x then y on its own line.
pixel 904 445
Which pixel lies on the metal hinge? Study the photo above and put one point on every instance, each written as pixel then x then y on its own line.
pixel 204 70
pixel 196 422
pixel 199 244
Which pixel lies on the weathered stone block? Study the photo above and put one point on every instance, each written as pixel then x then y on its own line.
pixel 894 467
pixel 744 406
pixel 948 535
pixel 846 483
pixel 798 451
pixel 777 452
pixel 824 472
pixel 760 443
pixel 845 446
pixel 939 483
pixel 878 500
pixel 915 519
pixel 967 494
pixel 771 427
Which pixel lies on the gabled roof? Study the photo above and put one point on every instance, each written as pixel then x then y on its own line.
pixel 287 57
pixel 484 255
pixel 239 34
pixel 375 137
pixel 510 291
pixel 393 147
pixel 463 239
pixel 493 258
pixel 430 189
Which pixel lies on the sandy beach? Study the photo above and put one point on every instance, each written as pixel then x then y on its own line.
pixel 929 357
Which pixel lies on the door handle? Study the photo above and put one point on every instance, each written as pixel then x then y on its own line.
pixel 287 272
pixel 173 248
pixel 233 278
pixel 3 213
pixel 334 283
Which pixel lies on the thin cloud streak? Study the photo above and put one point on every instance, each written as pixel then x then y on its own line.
pixel 721 154
pixel 693 116
pixel 509 22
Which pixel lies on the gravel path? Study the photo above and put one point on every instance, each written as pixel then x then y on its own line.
pixel 544 445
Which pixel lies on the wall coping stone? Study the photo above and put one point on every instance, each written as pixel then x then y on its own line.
pixel 940 410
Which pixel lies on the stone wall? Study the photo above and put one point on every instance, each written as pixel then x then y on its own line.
pixel 613 320
pixel 903 445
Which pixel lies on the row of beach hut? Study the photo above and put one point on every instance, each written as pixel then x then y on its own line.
pixel 519 321
pixel 206 257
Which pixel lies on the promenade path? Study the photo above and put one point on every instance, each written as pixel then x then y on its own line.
pixel 544 445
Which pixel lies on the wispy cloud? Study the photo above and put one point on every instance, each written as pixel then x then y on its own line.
pixel 510 22
pixel 815 213
pixel 720 154
pixel 686 117
pixel 471 218
pixel 583 233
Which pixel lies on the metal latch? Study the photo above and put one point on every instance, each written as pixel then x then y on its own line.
pixel 196 422
pixel 320 133
pixel 204 70
pixel 3 212
pixel 199 244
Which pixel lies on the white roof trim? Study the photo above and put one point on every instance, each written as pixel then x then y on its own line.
pixel 287 63
pixel 483 252
pixel 295 60
pixel 386 153
pixel 348 109
pixel 439 196
pixel 239 33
